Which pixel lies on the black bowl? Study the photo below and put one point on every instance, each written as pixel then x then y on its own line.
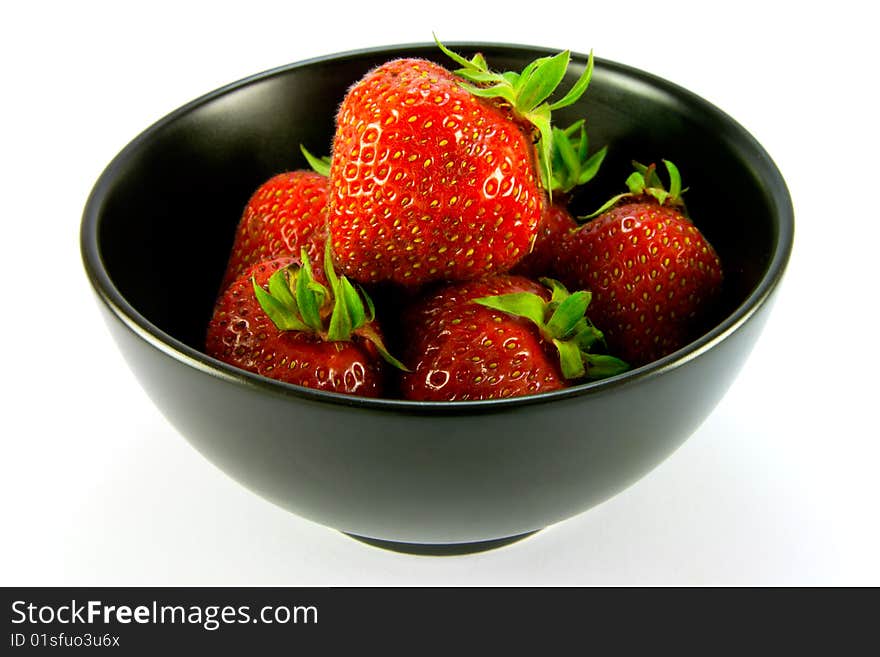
pixel 157 229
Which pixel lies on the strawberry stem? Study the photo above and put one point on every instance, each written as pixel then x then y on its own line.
pixel 527 92
pixel 645 181
pixel 295 301
pixel 572 165
pixel 281 309
pixel 562 321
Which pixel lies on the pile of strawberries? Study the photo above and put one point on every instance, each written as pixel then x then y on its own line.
pixel 445 199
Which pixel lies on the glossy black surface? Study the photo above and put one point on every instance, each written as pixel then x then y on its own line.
pixel 165 210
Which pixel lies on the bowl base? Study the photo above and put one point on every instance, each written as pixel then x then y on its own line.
pixel 441 549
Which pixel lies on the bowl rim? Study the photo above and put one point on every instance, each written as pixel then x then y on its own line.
pixel 110 296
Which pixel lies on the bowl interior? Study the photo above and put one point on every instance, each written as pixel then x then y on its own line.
pixel 167 207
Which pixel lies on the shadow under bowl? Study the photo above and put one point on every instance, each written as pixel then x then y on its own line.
pixel 426 477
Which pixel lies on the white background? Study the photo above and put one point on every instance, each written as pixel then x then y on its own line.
pixel 779 486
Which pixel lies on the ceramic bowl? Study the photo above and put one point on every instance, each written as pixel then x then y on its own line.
pixel 422 477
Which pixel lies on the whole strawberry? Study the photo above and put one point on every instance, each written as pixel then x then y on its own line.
pixel 500 336
pixel 433 178
pixel 286 213
pixel 280 320
pixel 653 275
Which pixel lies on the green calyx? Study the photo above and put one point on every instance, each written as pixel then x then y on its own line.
pixel 319 165
pixel 571 163
pixel 295 301
pixel 562 321
pixel 645 181
pixel 527 92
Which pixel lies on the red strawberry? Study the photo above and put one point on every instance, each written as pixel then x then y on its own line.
pixel 286 213
pixel 435 179
pixel 500 336
pixel 299 331
pixel 652 273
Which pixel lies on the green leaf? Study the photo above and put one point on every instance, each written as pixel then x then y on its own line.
pixel 659 194
pixel 500 90
pixel 586 336
pixel 652 178
pixel 570 359
pixel 279 288
pixel 674 180
pixel 570 165
pixel 579 87
pixel 305 298
pixel 569 312
pixel 560 171
pixel 319 165
pixel 352 302
pixel 321 293
pixel 510 77
pixel 520 304
pixel 600 366
pixel 559 292
pixel 562 146
pixel 329 271
pixel 540 118
pixel 641 168
pixel 370 334
pixel 480 76
pixel 636 183
pixel 467 64
pixel 574 127
pixel 371 308
pixel 479 61
pixel 583 142
pixel 281 316
pixel 610 203
pixel 340 321
pixel 537 84
pixel 519 79
pixel 590 168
